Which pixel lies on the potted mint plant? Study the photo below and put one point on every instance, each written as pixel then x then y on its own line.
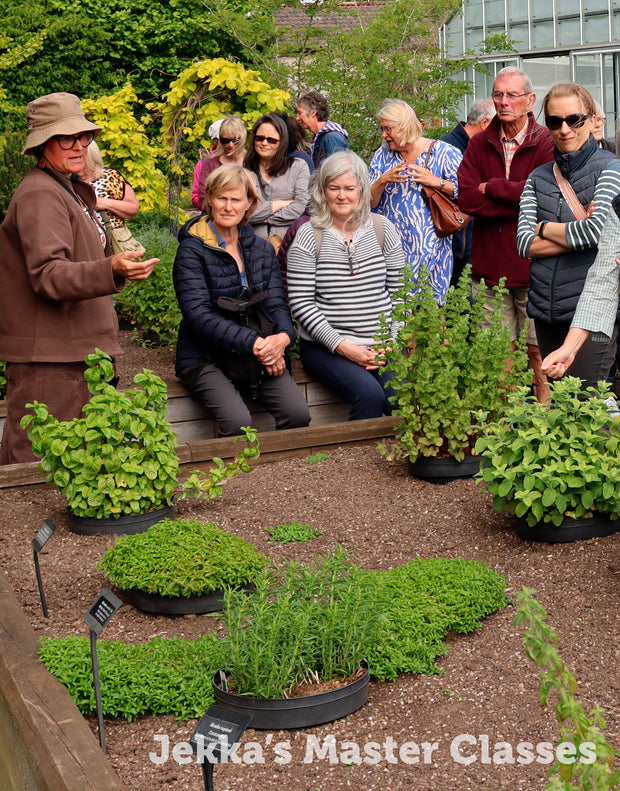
pixel 117 464
pixel 555 466
pixel 448 363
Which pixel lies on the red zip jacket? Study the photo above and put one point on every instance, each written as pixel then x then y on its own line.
pixel 494 251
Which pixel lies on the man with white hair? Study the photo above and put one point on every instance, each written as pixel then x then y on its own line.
pixel 491 178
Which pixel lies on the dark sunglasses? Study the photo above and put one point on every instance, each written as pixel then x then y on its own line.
pixel 226 140
pixel 575 121
pixel 271 140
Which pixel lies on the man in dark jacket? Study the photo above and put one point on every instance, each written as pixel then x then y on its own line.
pixel 478 118
pixel 491 177
pixel 313 114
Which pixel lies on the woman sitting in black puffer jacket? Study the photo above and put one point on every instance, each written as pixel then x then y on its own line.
pixel 236 324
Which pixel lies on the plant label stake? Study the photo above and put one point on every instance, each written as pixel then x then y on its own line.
pixel 96 618
pixel 38 542
pixel 219 729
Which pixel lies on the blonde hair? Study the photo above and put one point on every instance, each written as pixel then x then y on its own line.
pixel 230 177
pixel 571 89
pixel 94 161
pixel 232 126
pixel 403 114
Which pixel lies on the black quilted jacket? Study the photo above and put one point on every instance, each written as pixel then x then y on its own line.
pixel 203 272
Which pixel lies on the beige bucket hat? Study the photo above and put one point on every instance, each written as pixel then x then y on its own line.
pixel 55 114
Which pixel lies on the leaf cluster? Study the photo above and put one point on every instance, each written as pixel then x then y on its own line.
pixel 163 676
pixel 292 531
pixel 2 380
pixel 540 645
pixel 427 599
pixel 449 362
pixel 152 303
pixel 332 615
pixel 120 457
pixel 183 558
pixel 300 623
pixel 543 462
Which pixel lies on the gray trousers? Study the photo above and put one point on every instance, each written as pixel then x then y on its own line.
pixel 279 395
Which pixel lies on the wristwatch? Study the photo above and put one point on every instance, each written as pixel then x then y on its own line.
pixel 442 183
pixel 541 228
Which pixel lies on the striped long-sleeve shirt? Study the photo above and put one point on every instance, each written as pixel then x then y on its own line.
pixel 341 293
pixel 580 234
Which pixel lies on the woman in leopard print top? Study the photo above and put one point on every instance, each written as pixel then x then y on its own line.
pixel 114 194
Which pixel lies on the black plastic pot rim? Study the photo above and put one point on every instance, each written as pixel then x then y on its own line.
pixel 123 524
pixel 159 604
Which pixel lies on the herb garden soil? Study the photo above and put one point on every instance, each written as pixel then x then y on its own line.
pixel 385 517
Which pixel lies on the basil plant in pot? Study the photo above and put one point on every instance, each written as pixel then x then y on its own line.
pixel 117 464
pixel 448 363
pixel 555 466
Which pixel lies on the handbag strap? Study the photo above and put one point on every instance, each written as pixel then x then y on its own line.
pixel 428 153
pixel 572 201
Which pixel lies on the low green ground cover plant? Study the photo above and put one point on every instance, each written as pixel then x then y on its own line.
pixel 181 557
pixel 578 727
pixel 152 303
pixel 449 362
pixel 164 676
pixel 543 462
pixel 420 603
pixel 292 531
pixel 317 457
pixel 119 459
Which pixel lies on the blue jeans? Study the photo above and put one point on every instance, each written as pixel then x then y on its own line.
pixel 363 389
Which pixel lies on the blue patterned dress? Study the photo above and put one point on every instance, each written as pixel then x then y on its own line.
pixel 405 205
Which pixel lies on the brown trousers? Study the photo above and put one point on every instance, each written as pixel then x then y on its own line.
pixel 60 386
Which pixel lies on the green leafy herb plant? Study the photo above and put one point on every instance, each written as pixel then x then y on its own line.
pixel 178 557
pixel 544 462
pixel 292 531
pixel 119 459
pixel 448 363
pixel 421 603
pixel 578 727
pixel 301 623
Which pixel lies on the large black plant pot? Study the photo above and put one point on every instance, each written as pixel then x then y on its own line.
pixel 133 523
pixel 444 470
pixel 286 713
pixel 569 530
pixel 157 604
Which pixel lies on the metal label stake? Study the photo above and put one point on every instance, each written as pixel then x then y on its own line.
pixel 218 732
pixel 38 542
pixel 96 619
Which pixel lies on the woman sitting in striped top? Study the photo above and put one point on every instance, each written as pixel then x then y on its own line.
pixel 564 206
pixel 343 269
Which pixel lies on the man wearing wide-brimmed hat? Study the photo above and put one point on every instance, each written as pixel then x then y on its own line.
pixel 57 274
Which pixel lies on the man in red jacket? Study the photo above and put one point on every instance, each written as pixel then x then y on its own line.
pixel 491 177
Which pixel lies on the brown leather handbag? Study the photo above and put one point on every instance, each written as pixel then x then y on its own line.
pixel 447 217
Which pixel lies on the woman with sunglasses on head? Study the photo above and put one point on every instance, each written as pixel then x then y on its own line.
pixel 343 269
pixel 229 150
pixel 57 272
pixel 563 209
pixel 281 180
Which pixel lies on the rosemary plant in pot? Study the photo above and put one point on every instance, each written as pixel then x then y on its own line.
pixel 117 464
pixel 556 466
pixel 304 630
pixel 448 362
pixel 180 566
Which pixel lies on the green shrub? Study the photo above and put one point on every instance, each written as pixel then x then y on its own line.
pixel 543 462
pixel 2 380
pixel 457 366
pixel 152 303
pixel 181 557
pixel 13 165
